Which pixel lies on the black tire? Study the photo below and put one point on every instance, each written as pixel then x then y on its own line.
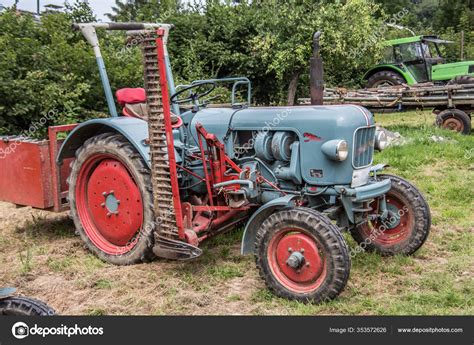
pixel 454 119
pixel 384 79
pixel 417 230
pixel 461 79
pixel 118 146
pixel 22 306
pixel 328 240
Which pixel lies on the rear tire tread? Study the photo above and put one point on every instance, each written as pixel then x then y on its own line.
pixel 110 142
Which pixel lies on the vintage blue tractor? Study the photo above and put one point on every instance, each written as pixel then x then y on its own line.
pixel 173 170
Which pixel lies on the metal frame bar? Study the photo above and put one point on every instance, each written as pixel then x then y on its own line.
pixel 237 81
pixel 169 132
pixel 58 194
pixel 88 30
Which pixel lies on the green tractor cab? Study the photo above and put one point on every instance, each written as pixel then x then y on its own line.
pixel 414 60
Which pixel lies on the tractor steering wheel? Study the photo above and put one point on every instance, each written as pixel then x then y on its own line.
pixel 193 96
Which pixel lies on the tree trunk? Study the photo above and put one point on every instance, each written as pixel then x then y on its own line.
pixel 292 88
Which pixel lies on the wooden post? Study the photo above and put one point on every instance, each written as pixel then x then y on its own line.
pixel 292 88
pixel 316 73
pixel 462 45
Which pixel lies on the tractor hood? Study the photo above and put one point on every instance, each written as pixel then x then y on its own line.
pixel 448 71
pixel 313 126
pixel 315 121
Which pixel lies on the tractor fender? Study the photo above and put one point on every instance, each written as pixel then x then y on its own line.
pixel 259 217
pixel 133 129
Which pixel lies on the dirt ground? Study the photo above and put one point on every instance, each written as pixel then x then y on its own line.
pixel 41 256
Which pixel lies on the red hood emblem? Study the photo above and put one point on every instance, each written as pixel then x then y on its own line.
pixel 311 137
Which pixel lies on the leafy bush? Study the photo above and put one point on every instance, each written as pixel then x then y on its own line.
pixel 47 67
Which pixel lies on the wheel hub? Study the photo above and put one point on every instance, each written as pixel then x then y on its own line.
pixel 112 203
pixel 298 258
pixel 395 227
pixel 453 124
pixel 393 219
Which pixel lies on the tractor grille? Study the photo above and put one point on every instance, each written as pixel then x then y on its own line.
pixel 363 152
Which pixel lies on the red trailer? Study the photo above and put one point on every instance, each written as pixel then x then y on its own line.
pixel 29 175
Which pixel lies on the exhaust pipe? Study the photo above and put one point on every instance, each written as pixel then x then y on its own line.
pixel 316 73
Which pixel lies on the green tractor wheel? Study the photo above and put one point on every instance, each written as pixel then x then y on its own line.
pixel 384 79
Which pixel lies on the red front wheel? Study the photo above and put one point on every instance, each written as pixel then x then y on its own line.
pixel 110 202
pixel 406 225
pixel 301 255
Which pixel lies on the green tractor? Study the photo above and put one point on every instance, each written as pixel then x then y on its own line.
pixel 417 59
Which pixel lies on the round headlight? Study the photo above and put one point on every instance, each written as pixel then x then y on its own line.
pixel 336 149
pixel 381 140
pixel 342 150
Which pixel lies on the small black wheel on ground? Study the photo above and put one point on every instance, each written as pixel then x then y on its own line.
pixel 111 201
pixel 302 256
pixel 384 79
pixel 407 225
pixel 23 306
pixel 455 120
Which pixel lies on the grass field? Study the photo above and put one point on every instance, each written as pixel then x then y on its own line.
pixel 40 254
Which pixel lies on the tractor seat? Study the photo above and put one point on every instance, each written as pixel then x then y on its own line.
pixel 133 101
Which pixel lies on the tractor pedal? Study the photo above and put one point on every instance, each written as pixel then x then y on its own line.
pixel 175 250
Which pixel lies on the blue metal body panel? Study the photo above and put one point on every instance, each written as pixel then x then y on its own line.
pixel 372 190
pixel 259 216
pixel 314 125
pixel 215 121
pixel 133 129
pixel 106 85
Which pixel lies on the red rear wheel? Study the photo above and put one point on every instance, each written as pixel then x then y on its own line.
pixel 109 204
pixel 110 200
